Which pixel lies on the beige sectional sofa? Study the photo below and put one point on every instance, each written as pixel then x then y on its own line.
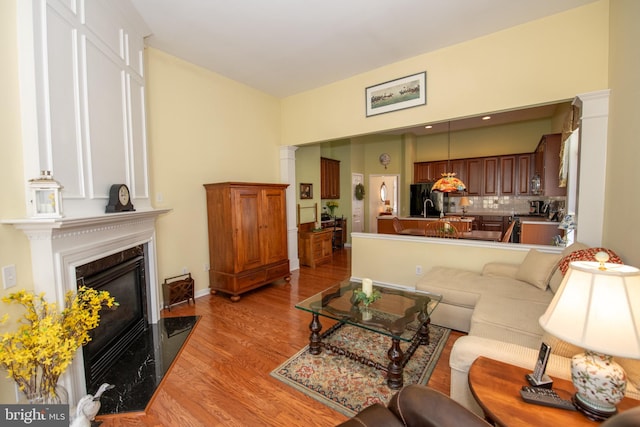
pixel 499 308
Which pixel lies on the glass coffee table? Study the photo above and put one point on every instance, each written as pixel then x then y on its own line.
pixel 402 315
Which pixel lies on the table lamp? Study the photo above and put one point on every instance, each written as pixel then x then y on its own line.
pixel 464 202
pixel 597 308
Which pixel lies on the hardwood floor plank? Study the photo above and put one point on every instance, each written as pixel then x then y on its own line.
pixel 222 375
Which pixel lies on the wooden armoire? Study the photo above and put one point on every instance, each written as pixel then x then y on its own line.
pixel 247 236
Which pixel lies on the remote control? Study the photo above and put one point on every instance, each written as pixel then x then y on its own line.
pixel 545 397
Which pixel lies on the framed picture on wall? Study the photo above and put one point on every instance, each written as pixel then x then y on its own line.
pixel 398 94
pixel 306 191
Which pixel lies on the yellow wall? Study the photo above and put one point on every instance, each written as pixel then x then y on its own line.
pixel 14 246
pixel 488 141
pixel 623 175
pixel 203 128
pixel 308 172
pixel 393 259
pixel 551 59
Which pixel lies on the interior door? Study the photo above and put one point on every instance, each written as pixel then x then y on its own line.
pixel 357 206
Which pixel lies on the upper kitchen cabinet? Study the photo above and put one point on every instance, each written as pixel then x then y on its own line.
pixel 547 165
pixel 329 178
pixel 87 100
pixel 524 173
pixel 433 171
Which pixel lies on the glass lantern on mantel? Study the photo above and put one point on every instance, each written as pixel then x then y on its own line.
pixel 46 201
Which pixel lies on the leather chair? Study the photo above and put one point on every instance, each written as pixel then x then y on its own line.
pixel 417 406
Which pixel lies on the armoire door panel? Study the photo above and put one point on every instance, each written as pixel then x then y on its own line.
pixel 247 229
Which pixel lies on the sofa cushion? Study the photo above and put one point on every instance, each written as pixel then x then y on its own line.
pixel 500 269
pixel 457 287
pixel 508 319
pixel 537 267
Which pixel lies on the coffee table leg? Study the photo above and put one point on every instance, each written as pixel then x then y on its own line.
pixel 314 338
pixel 394 374
pixel 423 332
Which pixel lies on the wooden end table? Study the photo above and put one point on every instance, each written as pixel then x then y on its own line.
pixel 496 387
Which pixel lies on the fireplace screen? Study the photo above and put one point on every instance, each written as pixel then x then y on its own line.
pixel 123 276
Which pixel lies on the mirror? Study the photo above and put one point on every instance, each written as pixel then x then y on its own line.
pixel 383 192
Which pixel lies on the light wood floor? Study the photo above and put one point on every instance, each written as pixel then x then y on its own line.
pixel 221 377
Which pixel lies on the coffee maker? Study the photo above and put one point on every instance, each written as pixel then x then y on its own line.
pixel 535 207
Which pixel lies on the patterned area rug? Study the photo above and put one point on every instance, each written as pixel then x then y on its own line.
pixel 348 386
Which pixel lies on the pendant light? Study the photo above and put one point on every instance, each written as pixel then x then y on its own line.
pixel 448 183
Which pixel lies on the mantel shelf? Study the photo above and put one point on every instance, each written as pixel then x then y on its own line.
pixel 80 222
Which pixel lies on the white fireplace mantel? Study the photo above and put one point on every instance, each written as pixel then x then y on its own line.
pixel 60 245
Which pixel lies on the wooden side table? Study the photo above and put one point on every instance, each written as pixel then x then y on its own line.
pixel 496 387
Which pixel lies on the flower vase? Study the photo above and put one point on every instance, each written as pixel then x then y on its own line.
pixel 43 397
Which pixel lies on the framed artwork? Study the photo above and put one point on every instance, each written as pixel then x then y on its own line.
pixel 306 191
pixel 398 94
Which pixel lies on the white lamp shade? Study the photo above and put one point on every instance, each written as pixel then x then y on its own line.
pixel 598 310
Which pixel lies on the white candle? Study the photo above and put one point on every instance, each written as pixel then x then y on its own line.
pixel 367 287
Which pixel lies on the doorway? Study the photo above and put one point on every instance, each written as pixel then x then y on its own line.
pixel 384 198
pixel 357 206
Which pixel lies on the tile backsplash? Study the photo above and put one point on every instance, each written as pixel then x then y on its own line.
pixel 500 205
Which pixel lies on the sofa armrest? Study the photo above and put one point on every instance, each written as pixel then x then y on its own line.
pixel 500 269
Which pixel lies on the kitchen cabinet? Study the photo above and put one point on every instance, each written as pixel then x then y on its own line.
pixel 474 176
pixel 493 223
pixel 432 171
pixel 547 165
pixel 490 176
pixel 329 178
pixel 247 236
pixel 524 173
pixel 315 247
pixel 508 168
pixel 538 233
pixel 483 176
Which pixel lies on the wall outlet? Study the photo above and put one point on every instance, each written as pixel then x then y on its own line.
pixel 9 279
pixel 418 270
pixel 184 270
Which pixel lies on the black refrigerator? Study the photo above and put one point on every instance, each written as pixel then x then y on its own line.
pixel 418 193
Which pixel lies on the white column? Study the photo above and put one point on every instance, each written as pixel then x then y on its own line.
pixel 593 161
pixel 288 176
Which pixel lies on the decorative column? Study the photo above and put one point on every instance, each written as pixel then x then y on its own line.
pixel 594 120
pixel 288 176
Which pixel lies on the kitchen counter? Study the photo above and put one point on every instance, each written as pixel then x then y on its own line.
pixel 418 224
pixel 420 218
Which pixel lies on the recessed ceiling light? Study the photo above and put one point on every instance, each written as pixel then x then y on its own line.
pixel 428 127
pixel 486 118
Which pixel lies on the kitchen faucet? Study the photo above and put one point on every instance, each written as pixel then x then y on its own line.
pixel 424 207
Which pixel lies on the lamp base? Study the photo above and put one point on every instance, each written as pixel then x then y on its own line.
pixel 590 412
pixel 600 384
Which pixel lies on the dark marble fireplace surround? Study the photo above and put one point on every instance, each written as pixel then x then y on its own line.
pixel 126 350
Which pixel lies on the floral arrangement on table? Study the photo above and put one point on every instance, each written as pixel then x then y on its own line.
pixel 43 346
pixel 361 295
pixel 367 294
pixel 332 205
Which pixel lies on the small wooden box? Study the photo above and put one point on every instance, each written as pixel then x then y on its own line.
pixel 178 289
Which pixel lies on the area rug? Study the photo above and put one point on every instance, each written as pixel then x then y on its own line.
pixel 348 386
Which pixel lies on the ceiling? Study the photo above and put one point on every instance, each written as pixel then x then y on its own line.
pixel 284 47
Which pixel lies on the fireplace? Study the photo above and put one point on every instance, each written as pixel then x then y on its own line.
pixel 61 247
pixel 123 276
